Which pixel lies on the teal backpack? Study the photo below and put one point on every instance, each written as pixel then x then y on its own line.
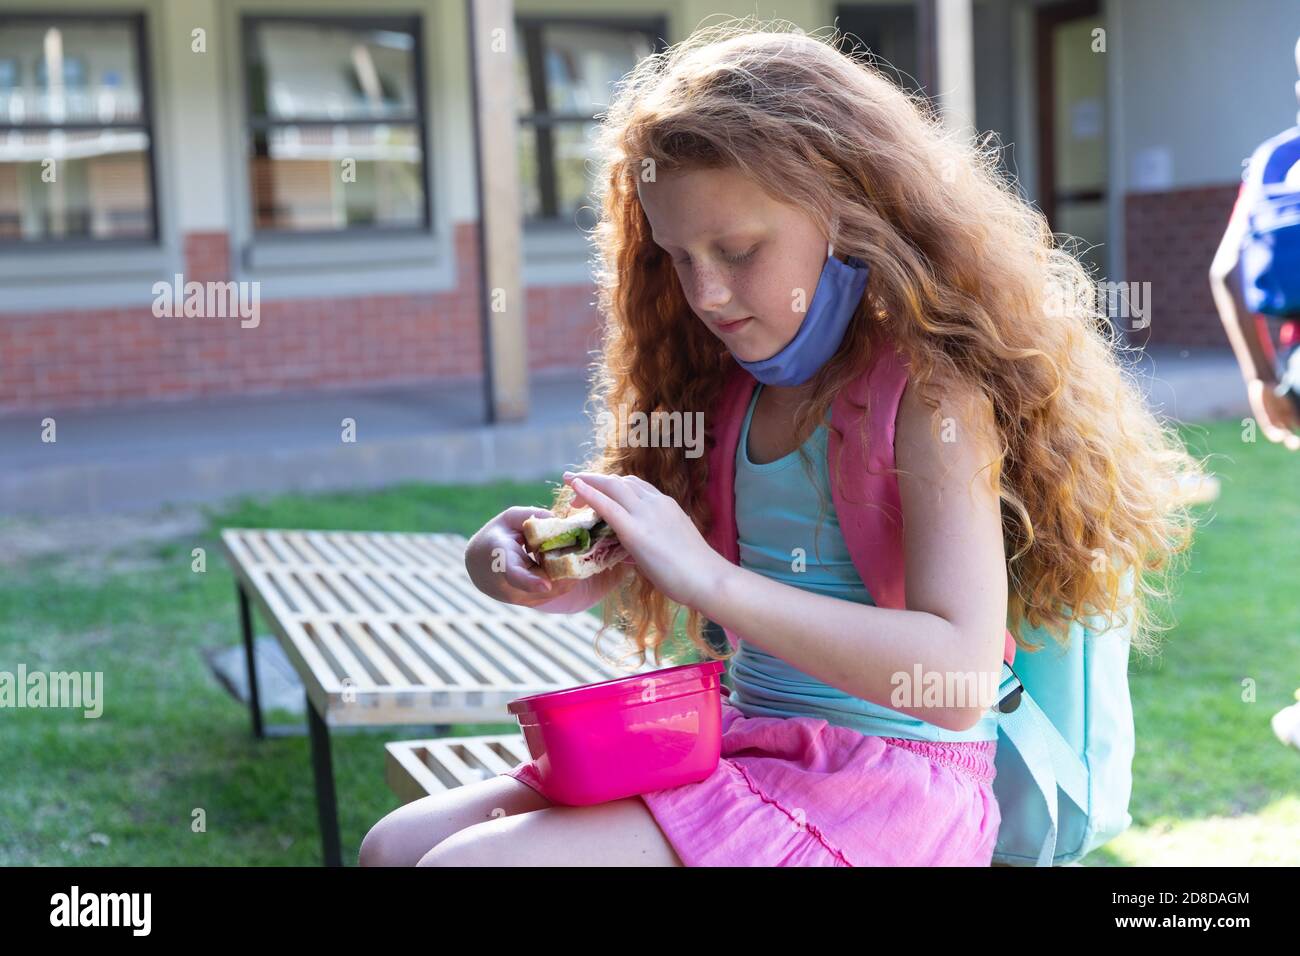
pixel 1065 745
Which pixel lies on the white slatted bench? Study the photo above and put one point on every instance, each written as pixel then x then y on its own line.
pixel 386 629
pixel 418 768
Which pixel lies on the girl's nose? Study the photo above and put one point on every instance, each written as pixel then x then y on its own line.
pixel 708 292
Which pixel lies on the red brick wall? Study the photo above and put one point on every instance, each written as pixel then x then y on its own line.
pixel 1170 239
pixel 95 357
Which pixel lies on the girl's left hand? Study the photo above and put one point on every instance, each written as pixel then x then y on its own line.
pixel 661 538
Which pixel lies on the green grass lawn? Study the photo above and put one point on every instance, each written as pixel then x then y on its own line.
pixel 1212 783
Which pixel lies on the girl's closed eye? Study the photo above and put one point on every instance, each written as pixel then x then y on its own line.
pixel 734 260
pixel 743 256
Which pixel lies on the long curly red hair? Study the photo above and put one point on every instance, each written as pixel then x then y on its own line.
pixel 966 279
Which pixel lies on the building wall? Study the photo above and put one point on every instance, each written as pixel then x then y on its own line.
pixel 1172 236
pixel 77 328
pixel 1205 80
pixel 95 357
pixel 1203 84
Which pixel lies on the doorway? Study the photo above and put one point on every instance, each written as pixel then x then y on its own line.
pixel 1071 82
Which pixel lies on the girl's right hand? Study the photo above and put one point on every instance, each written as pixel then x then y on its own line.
pixel 501 568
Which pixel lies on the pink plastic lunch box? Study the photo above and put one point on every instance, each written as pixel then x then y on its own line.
pixel 622 737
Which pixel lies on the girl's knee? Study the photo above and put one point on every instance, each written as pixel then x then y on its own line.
pixel 467 847
pixel 408 833
pixel 397 840
pixel 380 846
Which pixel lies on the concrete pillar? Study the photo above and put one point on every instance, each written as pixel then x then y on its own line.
pixel 191 62
pixel 954 41
pixel 505 325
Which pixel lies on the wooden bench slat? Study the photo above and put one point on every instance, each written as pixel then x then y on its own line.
pixel 393 675
pixel 408 776
pixel 328 553
pixel 407 555
pixel 463 588
pixel 389 589
pixel 316 584
pixel 365 544
pixel 382 591
pixel 424 643
pixel 303 556
pixel 504 641
pixel 418 768
pixel 450 633
pixel 357 599
pixel 457 599
pixel 579 636
pixel 330 643
pixel 298 600
pixel 429 549
pixel 342 543
pixel 578 641
pixel 306 551
pixel 257 547
pixel 237 552
pixel 401 649
pixel 449 757
pixel 308 661
pixel 413 582
pixel 274 543
pixel 482 750
pixel 547 658
pixel 396 616
pixel 373 598
pixel 300 648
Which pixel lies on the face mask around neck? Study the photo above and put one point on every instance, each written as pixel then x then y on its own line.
pixel 839 291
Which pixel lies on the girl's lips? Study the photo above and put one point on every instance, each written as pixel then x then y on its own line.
pixel 733 326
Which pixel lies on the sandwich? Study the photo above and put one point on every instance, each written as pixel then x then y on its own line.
pixel 576 546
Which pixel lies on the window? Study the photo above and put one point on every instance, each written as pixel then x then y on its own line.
pixel 336 124
pixel 565 71
pixel 76 160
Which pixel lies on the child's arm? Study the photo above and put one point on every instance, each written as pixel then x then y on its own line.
pixel 1247 333
pixel 1249 336
pixel 955 621
pixel 500 567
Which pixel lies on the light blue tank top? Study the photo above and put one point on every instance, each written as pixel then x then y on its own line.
pixel 776 512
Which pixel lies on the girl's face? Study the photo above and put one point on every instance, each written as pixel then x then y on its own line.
pixel 739 255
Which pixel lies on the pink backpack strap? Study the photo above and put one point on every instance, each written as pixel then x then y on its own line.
pixel 870 515
pixel 728 416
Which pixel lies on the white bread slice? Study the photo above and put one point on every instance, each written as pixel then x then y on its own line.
pixel 538 530
pixel 564 563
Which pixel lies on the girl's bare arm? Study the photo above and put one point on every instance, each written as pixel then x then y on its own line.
pixel 955 619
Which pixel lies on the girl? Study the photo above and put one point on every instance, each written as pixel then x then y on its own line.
pixel 799 251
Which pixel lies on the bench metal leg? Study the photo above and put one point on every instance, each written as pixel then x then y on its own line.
pixel 250 657
pixel 326 806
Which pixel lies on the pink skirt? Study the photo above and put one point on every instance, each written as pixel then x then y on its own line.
pixel 798 791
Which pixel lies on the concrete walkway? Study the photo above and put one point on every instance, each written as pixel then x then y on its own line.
pixel 1192 385
pixel 138 458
